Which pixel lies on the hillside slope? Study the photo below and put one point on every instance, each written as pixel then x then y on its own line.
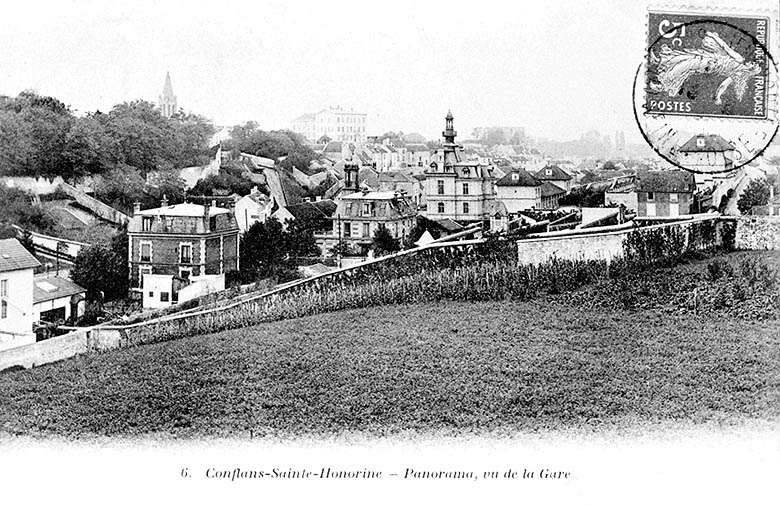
pixel 441 367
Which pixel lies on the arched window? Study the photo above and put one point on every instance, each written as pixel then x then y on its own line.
pixel 441 208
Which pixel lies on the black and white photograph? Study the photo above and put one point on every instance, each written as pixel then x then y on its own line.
pixel 381 252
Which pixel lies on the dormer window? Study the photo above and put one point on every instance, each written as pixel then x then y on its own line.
pixel 548 171
pixel 515 176
pixel 699 142
pixel 146 223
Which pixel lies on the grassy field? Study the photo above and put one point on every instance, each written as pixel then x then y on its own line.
pixel 445 367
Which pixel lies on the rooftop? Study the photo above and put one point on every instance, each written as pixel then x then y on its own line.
pixel 52 288
pixel 372 195
pixel 13 256
pixel 518 177
pixel 668 181
pixel 184 210
pixel 703 143
pixel 550 189
pixel 552 173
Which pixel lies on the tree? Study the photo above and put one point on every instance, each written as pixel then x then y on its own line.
pixel 87 148
pixel 121 187
pixel 264 252
pixel 230 178
pixel 101 270
pixel 384 243
pixel 756 193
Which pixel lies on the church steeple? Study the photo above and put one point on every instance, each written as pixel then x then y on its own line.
pixel 168 100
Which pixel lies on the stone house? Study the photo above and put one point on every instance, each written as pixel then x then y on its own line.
pixel 555 175
pixel 184 241
pixel 17 267
pixel 664 193
pixel 519 190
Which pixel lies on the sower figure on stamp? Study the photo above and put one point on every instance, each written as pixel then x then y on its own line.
pixel 715 57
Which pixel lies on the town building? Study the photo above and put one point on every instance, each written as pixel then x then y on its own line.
pixel 458 189
pixel 664 193
pixel 184 241
pixel 17 268
pixel 710 157
pixel 519 190
pixel 334 123
pixel 418 155
pixel 253 208
pixel 550 195
pixel 168 105
pixel 361 212
pixel 555 175
pixel 57 299
pixel 402 183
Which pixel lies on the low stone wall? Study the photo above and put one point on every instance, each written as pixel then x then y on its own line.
pixel 602 246
pixel 758 233
pixel 596 246
pixel 45 351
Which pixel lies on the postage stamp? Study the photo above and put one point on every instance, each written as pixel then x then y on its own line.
pixel 706 92
pixel 707 66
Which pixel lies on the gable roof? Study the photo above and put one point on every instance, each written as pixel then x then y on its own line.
pixel 13 256
pixel 670 181
pixel 52 288
pixel 550 189
pixel 556 174
pixel 712 143
pixel 523 179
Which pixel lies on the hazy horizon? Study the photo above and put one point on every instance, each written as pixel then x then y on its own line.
pixel 558 69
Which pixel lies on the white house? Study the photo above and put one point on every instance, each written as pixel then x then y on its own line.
pixel 16 294
pixel 162 290
pixel 57 299
pixel 519 190
pixel 253 208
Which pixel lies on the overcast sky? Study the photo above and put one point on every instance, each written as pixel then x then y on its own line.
pixel 559 68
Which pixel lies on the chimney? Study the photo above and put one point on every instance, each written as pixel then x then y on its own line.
pixel 164 202
pixel 206 209
pixel 136 207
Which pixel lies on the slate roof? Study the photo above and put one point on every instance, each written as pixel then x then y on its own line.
pixel 13 256
pixel 557 174
pixel 448 224
pixel 712 143
pixel 550 189
pixel 183 210
pixel 670 181
pixel 523 179
pixel 52 288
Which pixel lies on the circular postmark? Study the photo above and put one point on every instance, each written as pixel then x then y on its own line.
pixel 706 95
